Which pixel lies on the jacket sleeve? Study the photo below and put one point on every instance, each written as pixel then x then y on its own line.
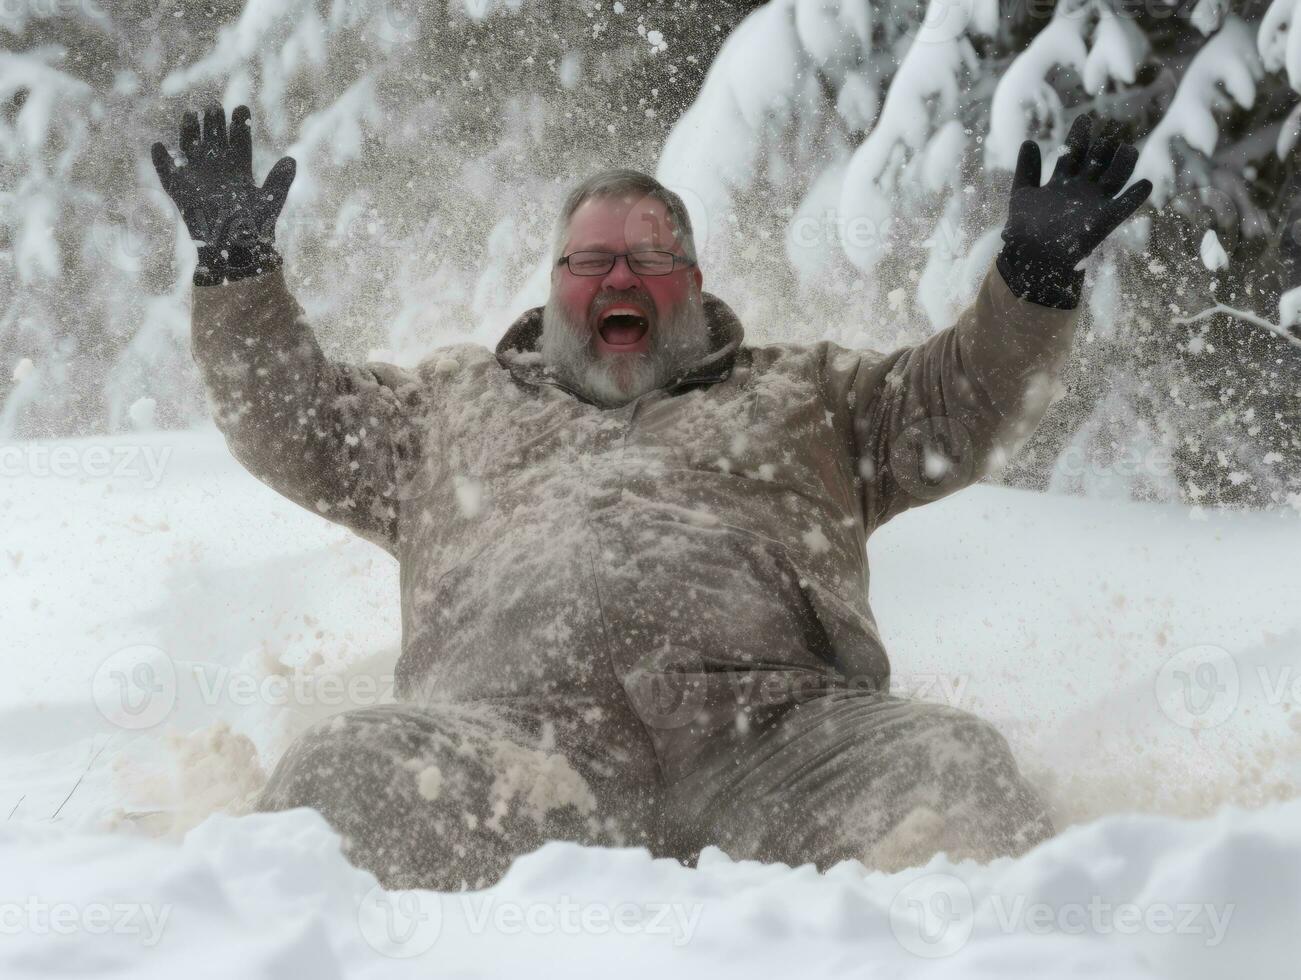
pixel 927 420
pixel 331 437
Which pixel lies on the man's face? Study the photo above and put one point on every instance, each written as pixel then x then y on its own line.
pixel 621 334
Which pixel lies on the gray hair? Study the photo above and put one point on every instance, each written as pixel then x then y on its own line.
pixel 610 183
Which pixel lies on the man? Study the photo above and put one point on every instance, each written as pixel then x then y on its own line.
pixel 632 548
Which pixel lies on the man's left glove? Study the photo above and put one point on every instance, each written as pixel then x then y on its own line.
pixel 230 218
pixel 1051 228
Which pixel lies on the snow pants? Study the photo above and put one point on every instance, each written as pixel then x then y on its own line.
pixel 445 796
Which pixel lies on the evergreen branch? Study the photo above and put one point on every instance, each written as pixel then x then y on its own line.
pixel 1247 317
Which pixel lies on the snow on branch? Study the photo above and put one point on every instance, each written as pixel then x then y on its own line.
pixel 1024 86
pixel 1208 15
pixel 1246 316
pixel 917 123
pixel 16 18
pixel 39 145
pixel 245 39
pixel 1225 71
pixel 1117 49
pixel 766 82
pixel 336 132
pixel 1288 132
pixel 1279 39
pixel 834 33
pixel 43 118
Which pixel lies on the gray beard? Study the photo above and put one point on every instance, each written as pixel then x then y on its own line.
pixel 611 380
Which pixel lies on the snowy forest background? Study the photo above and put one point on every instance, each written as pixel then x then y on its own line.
pixel 846 163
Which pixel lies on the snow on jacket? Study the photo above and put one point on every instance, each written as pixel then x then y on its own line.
pixel 670 572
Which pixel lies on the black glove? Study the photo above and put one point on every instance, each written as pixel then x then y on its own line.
pixel 232 220
pixel 1051 228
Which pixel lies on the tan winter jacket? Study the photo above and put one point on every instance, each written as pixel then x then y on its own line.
pixel 671 572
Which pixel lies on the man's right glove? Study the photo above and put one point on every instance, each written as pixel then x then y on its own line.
pixel 230 218
pixel 1051 228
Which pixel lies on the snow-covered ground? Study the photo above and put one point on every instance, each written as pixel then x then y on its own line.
pixel 171 624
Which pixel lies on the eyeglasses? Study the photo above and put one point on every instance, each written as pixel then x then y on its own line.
pixel 645 263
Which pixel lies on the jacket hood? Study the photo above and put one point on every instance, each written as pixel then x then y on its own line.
pixel 518 350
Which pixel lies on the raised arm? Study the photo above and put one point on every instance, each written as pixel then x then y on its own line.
pixel 931 419
pixel 331 437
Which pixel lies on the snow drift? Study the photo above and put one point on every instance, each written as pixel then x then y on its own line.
pixel 1140 658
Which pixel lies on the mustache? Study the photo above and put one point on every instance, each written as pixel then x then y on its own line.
pixel 635 297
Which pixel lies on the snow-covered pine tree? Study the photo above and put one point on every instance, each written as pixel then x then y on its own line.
pixel 889 133
pixel 847 160
pixel 83 308
pixel 434 142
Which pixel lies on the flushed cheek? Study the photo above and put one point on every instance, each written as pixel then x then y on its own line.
pixel 578 311
pixel 576 300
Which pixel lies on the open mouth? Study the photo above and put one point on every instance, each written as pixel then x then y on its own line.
pixel 623 326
